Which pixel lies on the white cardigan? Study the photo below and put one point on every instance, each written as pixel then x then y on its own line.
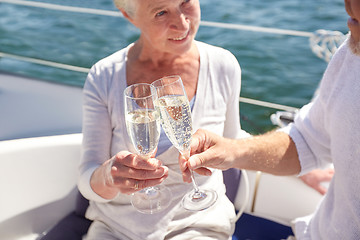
pixel 216 108
pixel 328 130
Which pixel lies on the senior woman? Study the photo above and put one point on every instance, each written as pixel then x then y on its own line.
pixel 211 77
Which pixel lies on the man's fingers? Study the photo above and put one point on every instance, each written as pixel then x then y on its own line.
pixel 197 161
pixel 183 163
pixel 186 176
pixel 203 171
pixel 321 189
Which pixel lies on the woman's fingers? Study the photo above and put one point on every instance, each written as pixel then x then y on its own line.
pixel 131 172
pixel 140 174
pixel 128 165
pixel 136 161
pixel 130 185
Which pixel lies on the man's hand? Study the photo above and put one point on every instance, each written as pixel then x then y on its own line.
pixel 317 177
pixel 208 150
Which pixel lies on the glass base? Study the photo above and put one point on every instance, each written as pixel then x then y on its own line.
pixel 198 201
pixel 151 200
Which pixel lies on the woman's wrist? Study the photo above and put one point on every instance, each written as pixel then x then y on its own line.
pixel 102 182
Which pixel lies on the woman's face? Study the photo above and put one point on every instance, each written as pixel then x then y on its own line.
pixel 353 9
pixel 167 25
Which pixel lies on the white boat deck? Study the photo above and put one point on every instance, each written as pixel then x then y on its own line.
pixel 30 107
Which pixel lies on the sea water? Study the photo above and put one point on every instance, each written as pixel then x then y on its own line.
pixel 275 68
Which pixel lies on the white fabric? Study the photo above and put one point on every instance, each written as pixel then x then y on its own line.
pixel 328 130
pixel 215 109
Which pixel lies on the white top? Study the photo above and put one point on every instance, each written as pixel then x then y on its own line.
pixel 328 130
pixel 216 109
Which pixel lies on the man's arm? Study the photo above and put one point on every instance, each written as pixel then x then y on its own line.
pixel 273 152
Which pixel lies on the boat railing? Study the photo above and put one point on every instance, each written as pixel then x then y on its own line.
pixel 323 43
pixel 85 70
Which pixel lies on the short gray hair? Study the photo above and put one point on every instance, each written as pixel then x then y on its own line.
pixel 127 5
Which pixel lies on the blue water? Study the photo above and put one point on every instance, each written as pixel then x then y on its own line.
pixel 276 68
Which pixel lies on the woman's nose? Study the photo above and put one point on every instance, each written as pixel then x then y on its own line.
pixel 179 21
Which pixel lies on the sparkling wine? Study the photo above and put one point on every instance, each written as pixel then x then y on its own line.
pixel 175 117
pixel 143 127
pixel 176 120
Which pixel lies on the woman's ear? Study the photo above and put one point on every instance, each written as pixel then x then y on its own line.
pixel 127 16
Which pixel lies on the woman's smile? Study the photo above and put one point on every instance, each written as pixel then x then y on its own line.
pixel 180 38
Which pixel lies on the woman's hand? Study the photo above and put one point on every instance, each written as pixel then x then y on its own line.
pixel 127 173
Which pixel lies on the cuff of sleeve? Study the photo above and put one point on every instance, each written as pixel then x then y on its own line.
pixel 244 134
pixel 306 157
pixel 85 187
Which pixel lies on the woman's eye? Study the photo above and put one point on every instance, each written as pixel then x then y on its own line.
pixel 186 2
pixel 160 13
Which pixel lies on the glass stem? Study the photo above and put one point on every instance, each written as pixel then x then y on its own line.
pixel 196 188
pixel 186 154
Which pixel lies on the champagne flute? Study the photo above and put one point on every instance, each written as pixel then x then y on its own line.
pixel 143 127
pixel 175 115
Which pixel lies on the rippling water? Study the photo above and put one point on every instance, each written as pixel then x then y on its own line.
pixel 276 68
